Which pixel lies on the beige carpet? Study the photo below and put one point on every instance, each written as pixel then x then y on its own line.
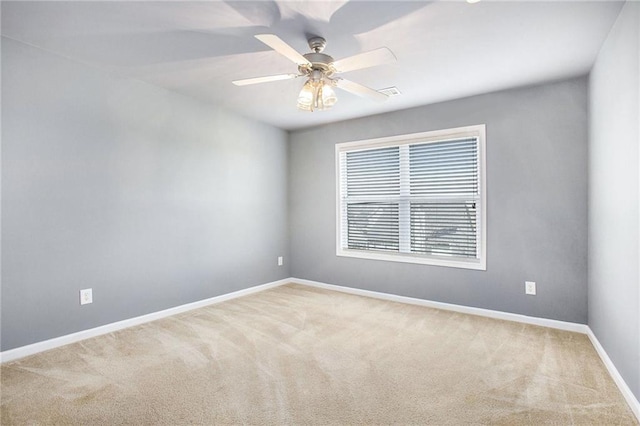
pixel 300 355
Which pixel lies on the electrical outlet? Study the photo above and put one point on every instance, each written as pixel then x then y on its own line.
pixel 280 261
pixel 530 288
pixel 86 296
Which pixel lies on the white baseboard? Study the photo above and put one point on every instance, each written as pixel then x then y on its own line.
pixel 634 404
pixel 560 325
pixel 45 345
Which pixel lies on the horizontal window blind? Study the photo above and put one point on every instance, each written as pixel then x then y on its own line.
pixel 444 228
pixel 418 198
pixel 373 172
pixel 447 173
pixel 371 176
pixel 444 168
pixel 373 226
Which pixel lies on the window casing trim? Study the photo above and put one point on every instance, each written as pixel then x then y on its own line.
pixel 476 131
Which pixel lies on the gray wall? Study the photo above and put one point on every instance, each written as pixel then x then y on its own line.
pixel 614 171
pixel 151 199
pixel 537 200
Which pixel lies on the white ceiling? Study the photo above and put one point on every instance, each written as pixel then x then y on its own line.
pixel 445 50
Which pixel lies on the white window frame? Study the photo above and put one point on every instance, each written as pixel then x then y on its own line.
pixel 477 131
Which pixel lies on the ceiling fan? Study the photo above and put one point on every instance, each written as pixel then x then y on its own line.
pixel 320 70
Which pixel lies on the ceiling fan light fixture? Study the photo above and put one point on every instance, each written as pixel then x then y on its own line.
pixel 316 94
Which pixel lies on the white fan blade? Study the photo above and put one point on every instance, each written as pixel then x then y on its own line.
pixel 365 60
pixel 265 79
pixel 360 90
pixel 276 43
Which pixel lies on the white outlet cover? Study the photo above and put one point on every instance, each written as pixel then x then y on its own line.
pixel 530 288
pixel 86 296
pixel 280 261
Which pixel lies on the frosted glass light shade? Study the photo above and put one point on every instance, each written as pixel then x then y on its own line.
pixel 305 98
pixel 328 96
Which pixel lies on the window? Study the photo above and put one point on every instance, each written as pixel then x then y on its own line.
pixel 416 198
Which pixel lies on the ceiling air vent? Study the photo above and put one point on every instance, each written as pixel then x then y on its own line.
pixel 390 91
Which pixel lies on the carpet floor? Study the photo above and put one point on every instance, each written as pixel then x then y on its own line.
pixel 300 355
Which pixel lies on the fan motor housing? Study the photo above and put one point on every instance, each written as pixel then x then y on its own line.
pixel 319 61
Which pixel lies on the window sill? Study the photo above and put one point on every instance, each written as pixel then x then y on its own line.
pixel 476 264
